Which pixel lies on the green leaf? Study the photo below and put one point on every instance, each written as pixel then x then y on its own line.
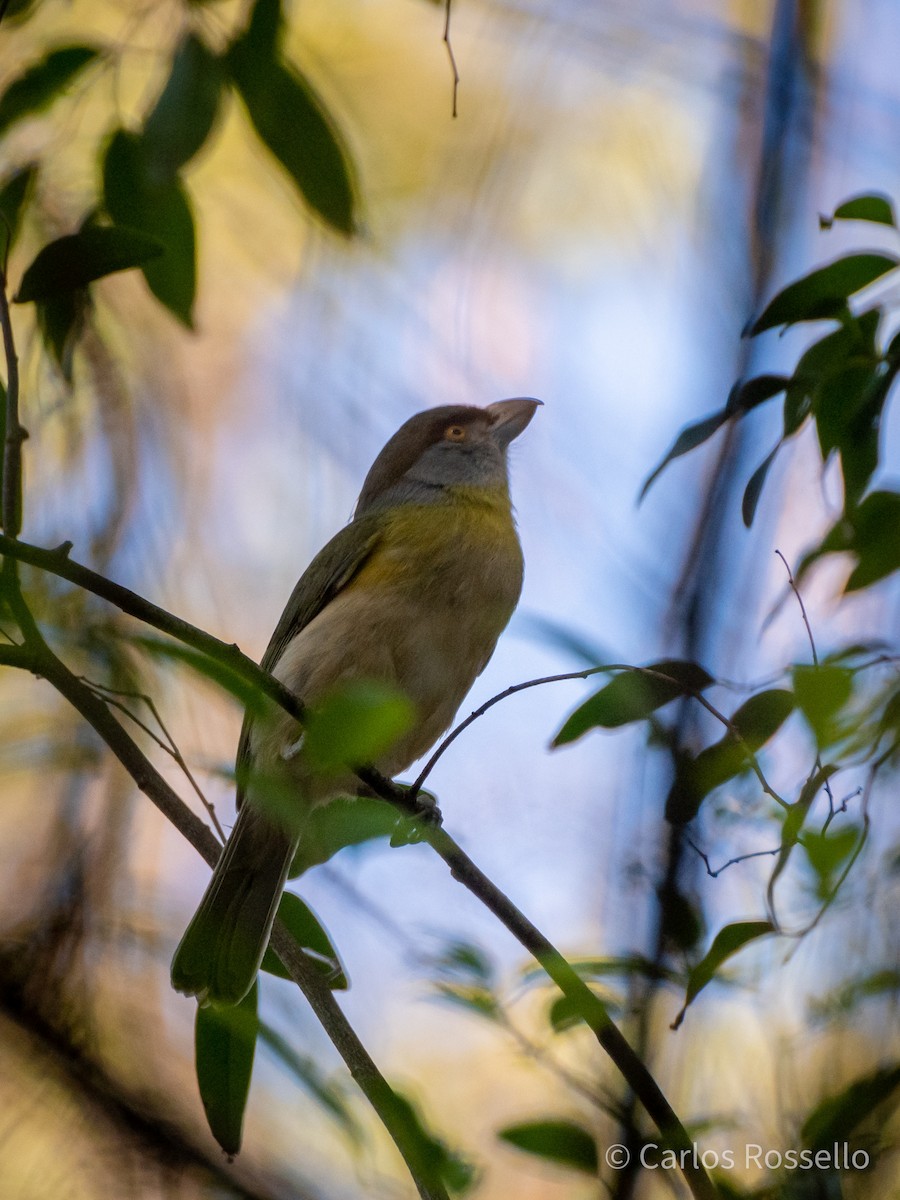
pixel 822 692
pixel 40 84
pixel 293 123
pixel 185 112
pixel 341 823
pixel 689 438
pixel 824 292
pixel 133 197
pixel 754 488
pixel 872 533
pixel 633 695
pixel 224 1045
pixel 557 1141
pixel 871 206
pixel 307 932
pixel 753 724
pixel 478 1000
pixel 727 942
pixel 355 724
pixel 13 196
pixel 78 259
pixel 827 853
pixel 838 1116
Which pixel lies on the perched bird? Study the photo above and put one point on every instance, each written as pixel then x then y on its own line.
pixel 414 593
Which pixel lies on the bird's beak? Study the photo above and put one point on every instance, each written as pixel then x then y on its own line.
pixel 509 418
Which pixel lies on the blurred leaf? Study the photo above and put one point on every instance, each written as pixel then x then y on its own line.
pixel 466 962
pixel 871 206
pixel 309 1075
pixel 292 121
pixel 822 692
pixel 794 820
pixel 827 853
pixel 342 822
pixel 849 995
pixel 753 392
pixel 561 636
pixel 78 259
pixel 250 697
pixel 872 533
pixel 13 195
pixel 689 438
pixel 592 969
pixel 224 1043
pixel 632 695
pixel 430 1158
pixel 40 84
pixel 566 1012
pixel 478 1000
pixel 185 112
pixel 753 724
pixel 61 320
pixel 308 933
pixel 754 488
pixel 556 1141
pixel 824 292
pixel 160 210
pixel 727 942
pixel 355 724
pixel 838 1116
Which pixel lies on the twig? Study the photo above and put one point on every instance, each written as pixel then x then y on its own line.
pixel 11 501
pixel 166 742
pixel 452 57
pixel 739 858
pixel 488 704
pixel 815 658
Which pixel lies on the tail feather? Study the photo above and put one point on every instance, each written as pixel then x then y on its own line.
pixel 218 958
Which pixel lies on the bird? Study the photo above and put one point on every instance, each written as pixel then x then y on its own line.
pixel 413 593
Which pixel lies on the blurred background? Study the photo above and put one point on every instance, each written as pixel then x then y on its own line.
pixel 624 186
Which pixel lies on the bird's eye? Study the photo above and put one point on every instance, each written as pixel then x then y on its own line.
pixel 455 433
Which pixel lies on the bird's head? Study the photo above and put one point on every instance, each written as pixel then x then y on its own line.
pixel 451 446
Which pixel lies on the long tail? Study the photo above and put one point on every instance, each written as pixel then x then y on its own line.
pixel 218 958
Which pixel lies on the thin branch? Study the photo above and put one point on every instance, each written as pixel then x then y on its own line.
pixel 452 57
pixel 166 743
pixel 488 704
pixel 714 874
pixel 11 500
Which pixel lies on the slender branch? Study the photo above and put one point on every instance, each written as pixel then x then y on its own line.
pixel 815 658
pixel 11 500
pixel 739 858
pixel 115 697
pixel 451 56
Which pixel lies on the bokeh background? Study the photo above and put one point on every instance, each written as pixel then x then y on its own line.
pixel 624 186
